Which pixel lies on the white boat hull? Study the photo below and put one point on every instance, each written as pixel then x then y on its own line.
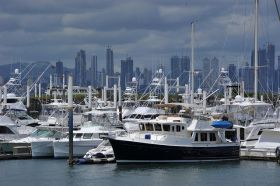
pixel 42 149
pixel 80 147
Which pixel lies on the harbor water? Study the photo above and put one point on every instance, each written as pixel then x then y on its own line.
pixel 47 172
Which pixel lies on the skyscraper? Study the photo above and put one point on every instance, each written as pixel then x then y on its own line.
pixel 232 73
pixel 126 71
pixel 205 73
pixel 175 67
pixel 180 67
pixel 185 69
pixel 80 69
pixel 210 73
pixel 93 72
pixel 110 64
pixel 59 72
pixel 246 74
pixel 270 58
pixel 262 69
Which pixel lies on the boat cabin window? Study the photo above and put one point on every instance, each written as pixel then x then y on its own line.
pixel 203 136
pixel 157 127
pixel 78 135
pixel 178 128
pixel 5 130
pixel 260 132
pixel 149 127
pixel 232 135
pixel 87 135
pixel 173 128
pixel 141 126
pixel 242 135
pixel 183 127
pixel 196 137
pixel 212 137
pixel 166 127
pixel 103 135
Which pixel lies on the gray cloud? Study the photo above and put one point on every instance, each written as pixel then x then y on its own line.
pixel 151 31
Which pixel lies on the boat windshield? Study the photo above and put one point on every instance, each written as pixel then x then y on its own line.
pixel 46 133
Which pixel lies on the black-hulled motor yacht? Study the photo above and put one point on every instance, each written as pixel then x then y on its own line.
pixel 173 139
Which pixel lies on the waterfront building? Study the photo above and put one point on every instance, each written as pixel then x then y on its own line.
pixel 175 67
pixel 246 74
pixel 93 71
pixel 80 69
pixel 126 71
pixel 110 64
pixel 59 72
pixel 180 67
pixel 232 72
pixel 210 71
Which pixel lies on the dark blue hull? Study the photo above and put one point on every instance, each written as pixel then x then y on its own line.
pixel 128 151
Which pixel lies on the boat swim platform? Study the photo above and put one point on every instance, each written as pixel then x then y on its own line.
pixel 258 154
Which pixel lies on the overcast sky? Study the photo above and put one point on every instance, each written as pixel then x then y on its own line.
pixel 150 31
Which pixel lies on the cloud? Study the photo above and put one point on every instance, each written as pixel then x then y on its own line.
pixel 149 31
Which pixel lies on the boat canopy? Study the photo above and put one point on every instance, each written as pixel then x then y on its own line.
pixel 222 124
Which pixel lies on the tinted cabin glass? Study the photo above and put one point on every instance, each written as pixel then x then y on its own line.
pixel 141 127
pixel 5 130
pixel 157 127
pixel 87 135
pixel 212 137
pixel 166 127
pixel 178 128
pixel 203 136
pixel 196 137
pixel 149 127
pixel 78 135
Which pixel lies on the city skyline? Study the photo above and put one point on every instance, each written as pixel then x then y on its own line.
pixel 149 31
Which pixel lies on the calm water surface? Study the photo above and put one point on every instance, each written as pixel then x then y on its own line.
pixel 57 172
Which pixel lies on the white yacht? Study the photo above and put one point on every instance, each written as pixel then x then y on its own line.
pixel 84 139
pixel 9 130
pixel 266 147
pixel 41 141
pixel 172 140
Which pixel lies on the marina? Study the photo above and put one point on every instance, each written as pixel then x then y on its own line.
pixel 173 123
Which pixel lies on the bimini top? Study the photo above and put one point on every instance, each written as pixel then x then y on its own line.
pixel 222 124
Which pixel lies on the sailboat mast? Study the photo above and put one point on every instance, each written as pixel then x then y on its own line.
pixel 192 63
pixel 256 51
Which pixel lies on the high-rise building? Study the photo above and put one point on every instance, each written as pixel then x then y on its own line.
pixel 80 69
pixel 126 71
pixel 246 74
pixel 232 72
pixel 185 69
pixel 59 72
pixel 270 57
pixel 205 73
pixel 175 67
pixel 93 72
pixel 180 67
pixel 262 69
pixel 110 64
pixel 210 72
